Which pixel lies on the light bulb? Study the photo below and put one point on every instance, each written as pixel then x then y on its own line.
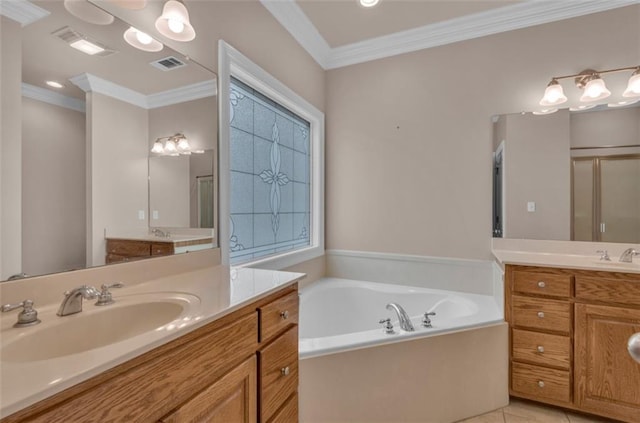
pixel 175 25
pixel 553 94
pixel 633 87
pixel 595 90
pixel 143 38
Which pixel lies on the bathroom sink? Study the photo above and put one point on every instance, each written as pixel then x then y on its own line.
pixel 95 327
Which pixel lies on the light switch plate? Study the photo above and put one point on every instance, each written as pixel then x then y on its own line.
pixel 140 214
pixel 531 206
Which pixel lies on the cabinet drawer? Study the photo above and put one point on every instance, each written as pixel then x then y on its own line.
pixel 128 248
pixel 288 413
pixel 621 291
pixel 161 248
pixel 542 313
pixel 541 382
pixel 278 372
pixel 542 284
pixel 278 315
pixel 541 348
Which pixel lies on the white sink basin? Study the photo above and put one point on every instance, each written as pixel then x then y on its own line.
pixel 96 327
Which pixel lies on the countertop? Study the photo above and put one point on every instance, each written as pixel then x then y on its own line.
pixel 563 254
pixel 213 292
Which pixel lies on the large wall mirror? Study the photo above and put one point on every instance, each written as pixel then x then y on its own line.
pixel 570 175
pixel 91 189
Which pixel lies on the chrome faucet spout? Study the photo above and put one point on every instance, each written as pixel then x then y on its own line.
pixel 72 302
pixel 403 317
pixel 627 255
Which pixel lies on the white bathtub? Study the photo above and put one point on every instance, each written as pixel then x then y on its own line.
pixel 351 371
pixel 340 315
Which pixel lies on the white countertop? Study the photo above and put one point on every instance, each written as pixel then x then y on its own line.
pixel 213 292
pixel 563 254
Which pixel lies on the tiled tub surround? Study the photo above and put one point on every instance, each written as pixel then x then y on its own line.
pixel 215 296
pixel 353 374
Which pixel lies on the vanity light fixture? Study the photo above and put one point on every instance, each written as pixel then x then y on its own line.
pixel 593 85
pixel 88 12
pixel 545 111
pixel 368 3
pixel 174 145
pixel 141 40
pixel 174 22
pixel 54 84
pixel 582 107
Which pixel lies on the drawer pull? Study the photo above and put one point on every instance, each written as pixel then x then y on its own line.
pixel 284 315
pixel 541 384
pixel 541 284
pixel 540 349
pixel 541 314
pixel 285 371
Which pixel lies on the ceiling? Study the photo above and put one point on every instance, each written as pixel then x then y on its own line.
pixel 339 33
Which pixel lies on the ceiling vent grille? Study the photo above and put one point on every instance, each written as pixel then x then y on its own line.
pixel 70 35
pixel 168 63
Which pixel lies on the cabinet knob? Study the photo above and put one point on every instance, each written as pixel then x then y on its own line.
pixel 285 371
pixel 541 384
pixel 541 314
pixel 284 314
pixel 633 346
pixel 540 349
pixel 541 284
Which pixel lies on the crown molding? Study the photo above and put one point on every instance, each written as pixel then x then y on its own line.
pixel 92 83
pixel 22 11
pixel 506 18
pixel 51 97
pixel 294 20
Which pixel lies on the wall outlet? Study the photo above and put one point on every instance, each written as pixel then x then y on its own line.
pixel 531 206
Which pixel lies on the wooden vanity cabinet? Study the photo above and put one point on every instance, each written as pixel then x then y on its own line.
pixel 568 339
pixel 119 250
pixel 223 372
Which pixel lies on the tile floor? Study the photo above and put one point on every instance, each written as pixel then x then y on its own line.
pixel 528 412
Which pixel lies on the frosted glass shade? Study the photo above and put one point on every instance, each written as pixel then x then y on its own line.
pixel 553 95
pixel 633 87
pixel 595 90
pixel 141 41
pixel 183 145
pixel 170 146
pixel 174 22
pixel 88 12
pixel 157 147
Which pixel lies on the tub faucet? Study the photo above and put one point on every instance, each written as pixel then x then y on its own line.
pixel 627 255
pixel 403 318
pixel 72 302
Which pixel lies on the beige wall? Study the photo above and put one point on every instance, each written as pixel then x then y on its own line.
pixel 11 144
pixel 537 169
pixel 117 170
pixel 614 127
pixel 169 191
pixel 409 137
pixel 53 188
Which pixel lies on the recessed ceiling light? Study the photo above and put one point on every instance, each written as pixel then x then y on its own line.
pixel 368 3
pixel 87 47
pixel 545 111
pixel 54 84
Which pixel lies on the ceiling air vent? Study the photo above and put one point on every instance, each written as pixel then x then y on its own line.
pixel 168 63
pixel 73 38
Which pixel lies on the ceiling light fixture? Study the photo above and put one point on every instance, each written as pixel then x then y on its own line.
pixel 141 40
pixel 54 84
pixel 173 146
pixel 130 4
pixel 87 47
pixel 545 111
pixel 88 12
pixel 174 22
pixel 368 3
pixel 593 85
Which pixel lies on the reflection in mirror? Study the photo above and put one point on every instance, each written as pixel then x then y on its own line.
pixel 82 147
pixel 568 175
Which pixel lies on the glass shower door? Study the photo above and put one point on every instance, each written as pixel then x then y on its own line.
pixel 583 200
pixel 620 199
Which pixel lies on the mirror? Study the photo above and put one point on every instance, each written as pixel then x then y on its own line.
pixel 568 175
pixel 85 177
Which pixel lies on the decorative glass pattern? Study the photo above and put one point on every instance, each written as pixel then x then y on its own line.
pixel 270 177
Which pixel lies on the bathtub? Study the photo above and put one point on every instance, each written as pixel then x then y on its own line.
pixel 340 315
pixel 352 371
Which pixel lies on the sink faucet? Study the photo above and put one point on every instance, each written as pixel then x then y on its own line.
pixel 405 322
pixel 72 302
pixel 627 255
pixel 159 232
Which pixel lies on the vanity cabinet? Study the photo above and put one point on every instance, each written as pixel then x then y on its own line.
pixel 119 250
pixel 222 372
pixel 568 339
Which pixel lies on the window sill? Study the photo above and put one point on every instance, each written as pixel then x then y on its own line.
pixel 285 260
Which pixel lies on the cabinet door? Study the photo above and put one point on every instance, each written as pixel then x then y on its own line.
pixel 606 377
pixel 231 399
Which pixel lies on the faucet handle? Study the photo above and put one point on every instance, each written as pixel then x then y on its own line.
pixel 27 317
pixel 426 322
pixel 105 297
pixel 604 255
pixel 387 326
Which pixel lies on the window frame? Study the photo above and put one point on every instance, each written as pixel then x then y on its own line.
pixel 233 63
